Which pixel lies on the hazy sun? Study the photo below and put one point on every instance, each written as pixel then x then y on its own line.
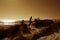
pixel 7 21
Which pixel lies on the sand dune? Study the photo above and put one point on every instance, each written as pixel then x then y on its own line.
pixel 29 36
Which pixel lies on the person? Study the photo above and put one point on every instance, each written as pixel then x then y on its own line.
pixel 30 21
pixel 24 28
pixel 37 23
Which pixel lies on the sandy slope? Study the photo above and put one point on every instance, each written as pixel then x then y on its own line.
pixel 55 36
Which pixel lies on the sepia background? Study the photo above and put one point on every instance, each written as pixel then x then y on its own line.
pixel 23 9
pixel 12 10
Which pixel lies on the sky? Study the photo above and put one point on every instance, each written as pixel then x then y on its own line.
pixel 23 9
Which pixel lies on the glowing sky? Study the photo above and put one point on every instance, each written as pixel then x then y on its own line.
pixel 23 9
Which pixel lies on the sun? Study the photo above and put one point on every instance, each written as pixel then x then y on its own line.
pixel 8 22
